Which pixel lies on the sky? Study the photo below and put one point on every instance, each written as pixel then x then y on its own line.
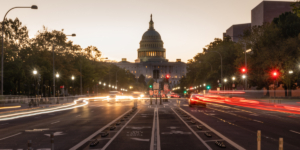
pixel 116 27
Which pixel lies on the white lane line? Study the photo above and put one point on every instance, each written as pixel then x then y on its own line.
pixel 107 144
pixel 97 132
pixel 11 136
pixel 203 142
pixel 139 139
pixel 157 131
pixel 216 132
pixel 214 140
pixel 55 122
pixel 152 134
pixel 295 131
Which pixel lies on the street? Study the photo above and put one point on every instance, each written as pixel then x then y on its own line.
pixel 152 127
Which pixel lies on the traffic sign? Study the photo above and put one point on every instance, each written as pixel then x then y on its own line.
pixel 151 92
pixel 155 92
pixel 155 86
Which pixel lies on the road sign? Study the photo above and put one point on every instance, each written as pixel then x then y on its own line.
pixel 151 92
pixel 155 92
pixel 166 88
pixel 155 86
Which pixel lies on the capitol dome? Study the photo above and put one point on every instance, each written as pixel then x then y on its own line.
pixel 151 45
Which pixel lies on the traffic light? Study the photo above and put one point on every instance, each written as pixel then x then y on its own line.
pixel 208 87
pixel 150 86
pixel 275 74
pixel 167 77
pixel 243 69
pixel 184 91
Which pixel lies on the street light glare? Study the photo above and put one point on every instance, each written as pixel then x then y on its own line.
pixel 233 78
pixel 34 7
pixel 73 77
pixel 291 72
pixel 57 75
pixel 244 76
pixel 34 72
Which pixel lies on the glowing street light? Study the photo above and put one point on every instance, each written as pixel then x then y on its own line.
pixel 291 72
pixel 109 85
pixel 225 80
pixel 72 77
pixel 57 75
pixel 244 76
pixel 100 83
pixel 233 78
pixel 104 84
pixel 34 72
pixel 204 84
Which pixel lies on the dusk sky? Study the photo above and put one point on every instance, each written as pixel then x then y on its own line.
pixel 116 26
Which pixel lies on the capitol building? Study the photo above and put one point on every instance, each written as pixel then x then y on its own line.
pixel 152 56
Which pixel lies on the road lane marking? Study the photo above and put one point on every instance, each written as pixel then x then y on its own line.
pixel 155 136
pixel 214 140
pixel 152 134
pixel 55 122
pixel 203 142
pixel 139 139
pixel 36 130
pixel 107 144
pixel 11 136
pixel 295 131
pixel 157 131
pixel 97 132
pixel 216 132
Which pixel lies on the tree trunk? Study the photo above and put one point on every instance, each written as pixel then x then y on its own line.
pixel 285 91
pixel 268 92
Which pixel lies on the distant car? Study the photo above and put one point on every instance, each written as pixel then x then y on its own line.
pixel 173 95
pixel 196 99
pixel 112 97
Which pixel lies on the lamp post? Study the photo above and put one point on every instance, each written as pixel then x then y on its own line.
pixel 290 88
pixel 73 85
pixel 57 76
pixel 225 80
pixel 221 63
pixel 34 73
pixel 53 64
pixel 2 55
pixel 244 78
pixel 233 79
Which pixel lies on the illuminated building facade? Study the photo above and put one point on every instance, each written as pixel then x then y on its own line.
pixel 152 56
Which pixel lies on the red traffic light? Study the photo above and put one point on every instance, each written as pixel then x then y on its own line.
pixel 275 74
pixel 167 76
pixel 243 70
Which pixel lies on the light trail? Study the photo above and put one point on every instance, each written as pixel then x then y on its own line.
pixel 33 113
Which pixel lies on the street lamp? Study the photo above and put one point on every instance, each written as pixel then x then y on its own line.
pixel 2 55
pixel 244 76
pixel 73 84
pixel 233 78
pixel 53 65
pixel 104 84
pixel 221 63
pixel 291 72
pixel 100 83
pixel 204 84
pixel 225 80
pixel 34 73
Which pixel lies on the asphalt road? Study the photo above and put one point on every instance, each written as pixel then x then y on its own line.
pixel 153 127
